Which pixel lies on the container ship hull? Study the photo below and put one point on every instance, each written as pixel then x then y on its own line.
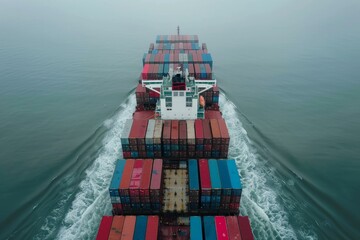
pixel 175 180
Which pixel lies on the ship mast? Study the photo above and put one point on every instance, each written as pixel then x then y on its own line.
pixel 178 30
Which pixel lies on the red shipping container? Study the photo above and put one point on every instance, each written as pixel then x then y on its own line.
pixel 134 132
pixel 104 228
pixel 141 115
pixel 136 178
pixel 211 114
pixel 146 178
pixel 221 229
pixel 116 227
pixel 182 132
pixel 174 132
pixel 145 71
pixel 126 177
pixel 167 132
pixel 233 228
pixel 152 228
pixel 205 181
pixel 151 70
pixel 156 175
pixel 199 135
pixel 225 138
pixel 191 70
pixel 128 228
pixel 142 127
pixel 197 71
pixel 245 228
pixel 208 71
pixel 157 58
pixel 207 131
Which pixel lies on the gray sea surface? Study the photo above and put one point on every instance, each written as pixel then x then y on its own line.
pixel 289 72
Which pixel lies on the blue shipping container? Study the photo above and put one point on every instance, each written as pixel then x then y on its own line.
pixel 209 228
pixel 193 175
pixel 224 177
pixel 115 181
pixel 234 177
pixel 140 227
pixel 214 174
pixel 195 228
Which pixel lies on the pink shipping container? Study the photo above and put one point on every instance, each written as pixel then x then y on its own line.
pixel 205 180
pixel 136 178
pixel 221 229
pixel 104 228
pixel 233 228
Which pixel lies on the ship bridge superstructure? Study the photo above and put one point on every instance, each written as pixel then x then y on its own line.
pixel 179 95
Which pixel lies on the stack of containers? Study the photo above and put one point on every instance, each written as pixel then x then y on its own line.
pixel 149 139
pixel 145 185
pixel 216 138
pixel 205 183
pixel 156 185
pixel 225 138
pixel 236 187
pixel 124 185
pixel 215 185
pixel 199 138
pixel 193 186
pixel 226 186
pixel 182 139
pixel 196 228
pixel 191 149
pixel 128 227
pixel 166 139
pixel 114 186
pixel 125 144
pixel 157 138
pixel 135 185
pixel 137 138
pixel 207 138
pixel 175 139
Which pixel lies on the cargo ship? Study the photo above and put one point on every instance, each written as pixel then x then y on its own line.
pixel 175 180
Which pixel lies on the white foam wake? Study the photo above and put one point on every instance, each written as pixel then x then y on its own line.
pixel 259 200
pixel 92 201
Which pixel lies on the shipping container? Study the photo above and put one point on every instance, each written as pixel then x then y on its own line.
pixel 128 228
pixel 195 228
pixel 158 131
pixel 221 228
pixel 199 134
pixel 140 228
pixel 116 227
pixel 215 184
pixel 152 228
pixel 145 180
pixel 233 228
pixel 150 132
pixel 104 228
pixel 245 228
pixel 225 178
pixel 125 181
pixel 205 183
pixel 190 132
pixel 136 178
pixel 115 181
pixel 126 131
pixel 209 228
pixel 235 178
pixel 215 131
pixel 224 131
